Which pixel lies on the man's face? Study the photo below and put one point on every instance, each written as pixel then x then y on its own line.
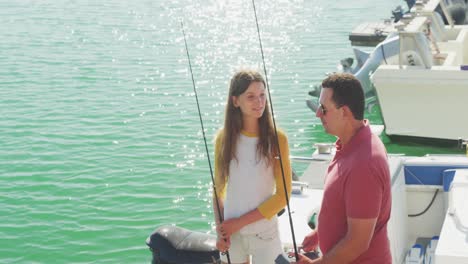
pixel 330 115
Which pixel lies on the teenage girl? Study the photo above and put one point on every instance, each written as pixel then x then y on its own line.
pixel 248 175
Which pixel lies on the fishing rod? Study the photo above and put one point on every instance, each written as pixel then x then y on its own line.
pixel 203 132
pixel 276 134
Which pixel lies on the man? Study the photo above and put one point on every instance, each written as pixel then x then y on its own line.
pixel 352 223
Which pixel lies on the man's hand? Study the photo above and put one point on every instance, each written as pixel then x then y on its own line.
pixel 310 242
pixel 302 259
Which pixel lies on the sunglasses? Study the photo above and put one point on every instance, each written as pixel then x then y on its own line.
pixel 324 111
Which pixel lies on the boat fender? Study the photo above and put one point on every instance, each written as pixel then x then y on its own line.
pixel 312 219
pixel 172 244
pixel 312 223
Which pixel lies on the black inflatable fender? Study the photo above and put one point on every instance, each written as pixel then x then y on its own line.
pixel 172 244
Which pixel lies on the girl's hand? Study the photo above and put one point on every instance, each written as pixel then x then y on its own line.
pixel 228 227
pixel 223 244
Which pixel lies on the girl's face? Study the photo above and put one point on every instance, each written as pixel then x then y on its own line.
pixel 252 101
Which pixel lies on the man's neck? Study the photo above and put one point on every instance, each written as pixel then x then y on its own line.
pixel 350 131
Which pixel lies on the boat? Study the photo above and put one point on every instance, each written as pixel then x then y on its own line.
pixel 369 34
pixel 423 91
pixel 367 63
pixel 379 35
pixel 387 37
pixel 386 47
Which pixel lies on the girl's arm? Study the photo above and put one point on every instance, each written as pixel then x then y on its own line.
pixel 233 225
pixel 277 201
pixel 219 184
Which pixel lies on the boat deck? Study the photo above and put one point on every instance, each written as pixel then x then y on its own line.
pixel 370 34
pixel 302 208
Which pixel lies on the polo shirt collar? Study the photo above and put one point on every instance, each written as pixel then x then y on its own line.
pixel 356 140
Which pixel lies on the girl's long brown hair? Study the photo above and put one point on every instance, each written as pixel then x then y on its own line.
pixel 266 147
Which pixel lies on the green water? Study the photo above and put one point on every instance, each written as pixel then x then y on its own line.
pixel 99 137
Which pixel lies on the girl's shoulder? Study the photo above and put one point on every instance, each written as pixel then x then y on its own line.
pixel 281 134
pixel 219 135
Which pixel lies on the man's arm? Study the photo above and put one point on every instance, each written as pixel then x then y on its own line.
pixel 355 242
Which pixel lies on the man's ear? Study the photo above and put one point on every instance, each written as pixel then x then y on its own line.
pixel 347 112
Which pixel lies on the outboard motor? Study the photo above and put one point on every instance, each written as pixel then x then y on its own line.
pixel 397 13
pixel 458 10
pixel 174 245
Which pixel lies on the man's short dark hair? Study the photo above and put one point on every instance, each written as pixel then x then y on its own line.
pixel 347 90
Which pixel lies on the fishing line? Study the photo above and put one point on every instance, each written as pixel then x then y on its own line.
pixel 203 131
pixel 276 133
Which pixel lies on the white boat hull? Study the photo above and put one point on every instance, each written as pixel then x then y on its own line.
pixel 423 103
pixel 423 92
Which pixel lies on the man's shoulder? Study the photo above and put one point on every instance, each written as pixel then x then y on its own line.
pixel 371 154
pixel 371 146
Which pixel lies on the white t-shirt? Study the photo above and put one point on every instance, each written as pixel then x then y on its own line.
pixel 251 182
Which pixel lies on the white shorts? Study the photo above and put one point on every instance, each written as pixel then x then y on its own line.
pixel 264 247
